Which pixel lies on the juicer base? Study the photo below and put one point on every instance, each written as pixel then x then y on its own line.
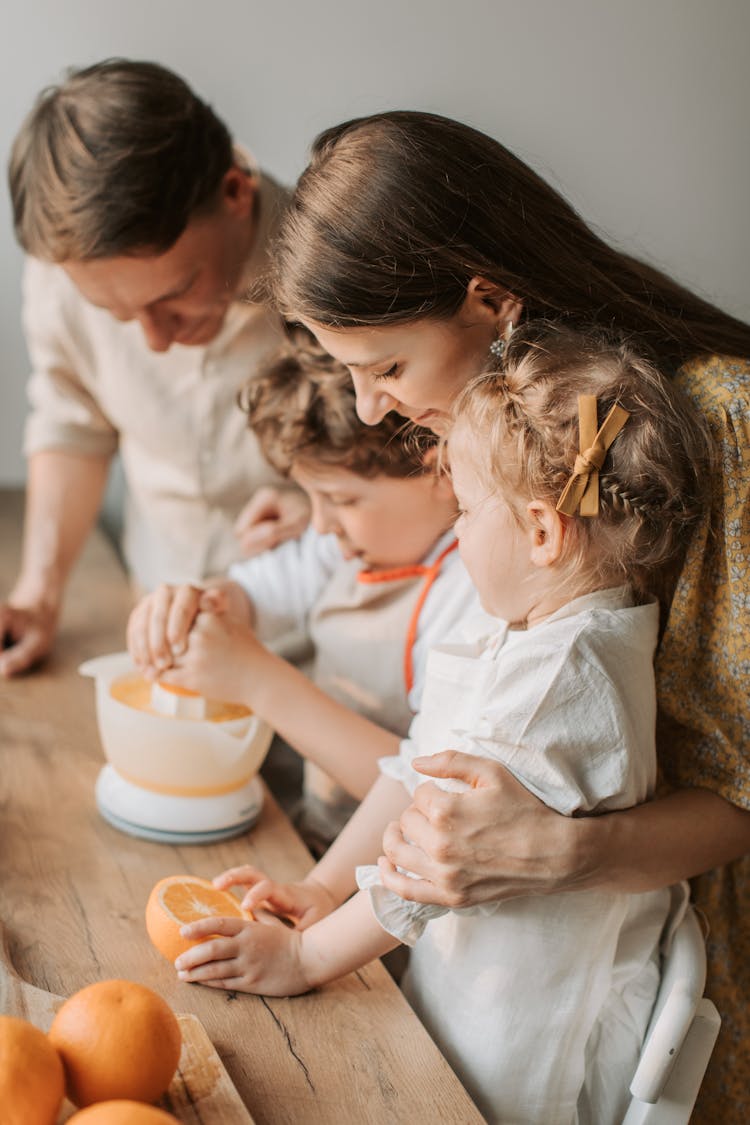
pixel 176 820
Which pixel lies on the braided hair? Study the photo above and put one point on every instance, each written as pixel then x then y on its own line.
pixel 655 479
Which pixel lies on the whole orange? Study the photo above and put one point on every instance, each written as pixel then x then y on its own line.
pixel 122 1113
pixel 179 899
pixel 32 1082
pixel 117 1039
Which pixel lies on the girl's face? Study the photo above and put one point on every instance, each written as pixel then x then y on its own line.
pixel 383 521
pixel 416 369
pixel 497 549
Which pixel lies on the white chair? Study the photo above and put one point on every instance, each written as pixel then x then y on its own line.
pixel 681 1034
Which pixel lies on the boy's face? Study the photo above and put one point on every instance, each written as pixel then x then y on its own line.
pixel 383 521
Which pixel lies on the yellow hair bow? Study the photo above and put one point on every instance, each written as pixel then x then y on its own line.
pixel 582 490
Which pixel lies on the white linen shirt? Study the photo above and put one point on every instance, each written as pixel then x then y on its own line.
pixel 540 1004
pixel 190 462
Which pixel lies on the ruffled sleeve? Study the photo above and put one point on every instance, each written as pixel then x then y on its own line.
pixel 403 919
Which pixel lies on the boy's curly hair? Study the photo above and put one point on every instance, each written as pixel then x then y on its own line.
pixel 302 407
pixel 655 481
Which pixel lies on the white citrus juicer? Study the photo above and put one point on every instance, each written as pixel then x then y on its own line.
pixel 175 771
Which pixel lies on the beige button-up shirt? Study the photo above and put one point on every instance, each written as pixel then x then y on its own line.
pixel 190 462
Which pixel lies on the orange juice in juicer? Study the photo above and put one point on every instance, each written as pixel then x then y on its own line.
pixel 180 768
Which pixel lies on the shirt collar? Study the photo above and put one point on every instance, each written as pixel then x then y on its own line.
pixel 270 203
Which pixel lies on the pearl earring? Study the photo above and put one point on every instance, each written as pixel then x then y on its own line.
pixel 499 344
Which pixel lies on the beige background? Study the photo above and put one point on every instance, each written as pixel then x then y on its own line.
pixel 637 109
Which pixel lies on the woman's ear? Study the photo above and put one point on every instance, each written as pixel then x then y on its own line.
pixel 547 531
pixel 485 300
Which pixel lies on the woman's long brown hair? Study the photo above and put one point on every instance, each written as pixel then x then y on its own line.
pixel 397 212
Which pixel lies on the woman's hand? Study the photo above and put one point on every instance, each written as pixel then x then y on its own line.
pixel 271 517
pixel 303 903
pixel 264 957
pixel 495 841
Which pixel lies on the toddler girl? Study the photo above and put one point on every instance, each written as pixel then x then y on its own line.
pixel 579 473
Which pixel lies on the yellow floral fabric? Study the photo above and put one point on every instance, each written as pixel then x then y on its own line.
pixel 703 678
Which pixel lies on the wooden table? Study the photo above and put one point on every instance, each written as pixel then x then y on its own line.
pixel 73 891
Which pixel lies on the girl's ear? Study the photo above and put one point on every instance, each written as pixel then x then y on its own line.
pixel 485 300
pixel 547 531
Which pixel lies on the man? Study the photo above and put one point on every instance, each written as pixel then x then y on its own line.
pixel 145 229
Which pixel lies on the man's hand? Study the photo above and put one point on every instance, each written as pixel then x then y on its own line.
pixel 271 517
pixel 27 632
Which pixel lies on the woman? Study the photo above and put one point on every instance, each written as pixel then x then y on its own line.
pixel 413 244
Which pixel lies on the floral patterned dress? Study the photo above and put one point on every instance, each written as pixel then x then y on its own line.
pixel 703 677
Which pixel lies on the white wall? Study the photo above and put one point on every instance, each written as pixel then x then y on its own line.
pixel 637 109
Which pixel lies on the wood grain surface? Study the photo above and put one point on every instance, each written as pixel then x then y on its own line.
pixel 73 892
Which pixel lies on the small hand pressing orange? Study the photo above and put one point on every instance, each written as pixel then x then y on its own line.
pixel 264 957
pixel 159 626
pixel 222 656
pixel 233 951
pixel 302 903
pixel 178 900
pixel 270 958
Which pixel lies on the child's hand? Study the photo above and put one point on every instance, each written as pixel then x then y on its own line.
pixel 262 957
pixel 304 903
pixel 161 623
pixel 222 656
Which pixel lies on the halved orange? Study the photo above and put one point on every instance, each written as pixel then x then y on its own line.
pixel 175 690
pixel 179 899
pixel 122 1113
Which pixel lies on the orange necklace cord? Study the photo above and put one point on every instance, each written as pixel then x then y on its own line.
pixel 430 573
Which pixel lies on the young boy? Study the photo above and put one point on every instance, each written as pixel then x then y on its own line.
pixel 374 582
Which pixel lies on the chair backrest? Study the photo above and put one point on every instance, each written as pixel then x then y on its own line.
pixel 681 1034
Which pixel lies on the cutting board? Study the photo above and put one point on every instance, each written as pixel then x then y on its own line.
pixel 201 1093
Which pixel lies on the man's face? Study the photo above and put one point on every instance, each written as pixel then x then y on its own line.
pixel 182 295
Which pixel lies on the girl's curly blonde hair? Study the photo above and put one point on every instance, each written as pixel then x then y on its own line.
pixel 655 479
